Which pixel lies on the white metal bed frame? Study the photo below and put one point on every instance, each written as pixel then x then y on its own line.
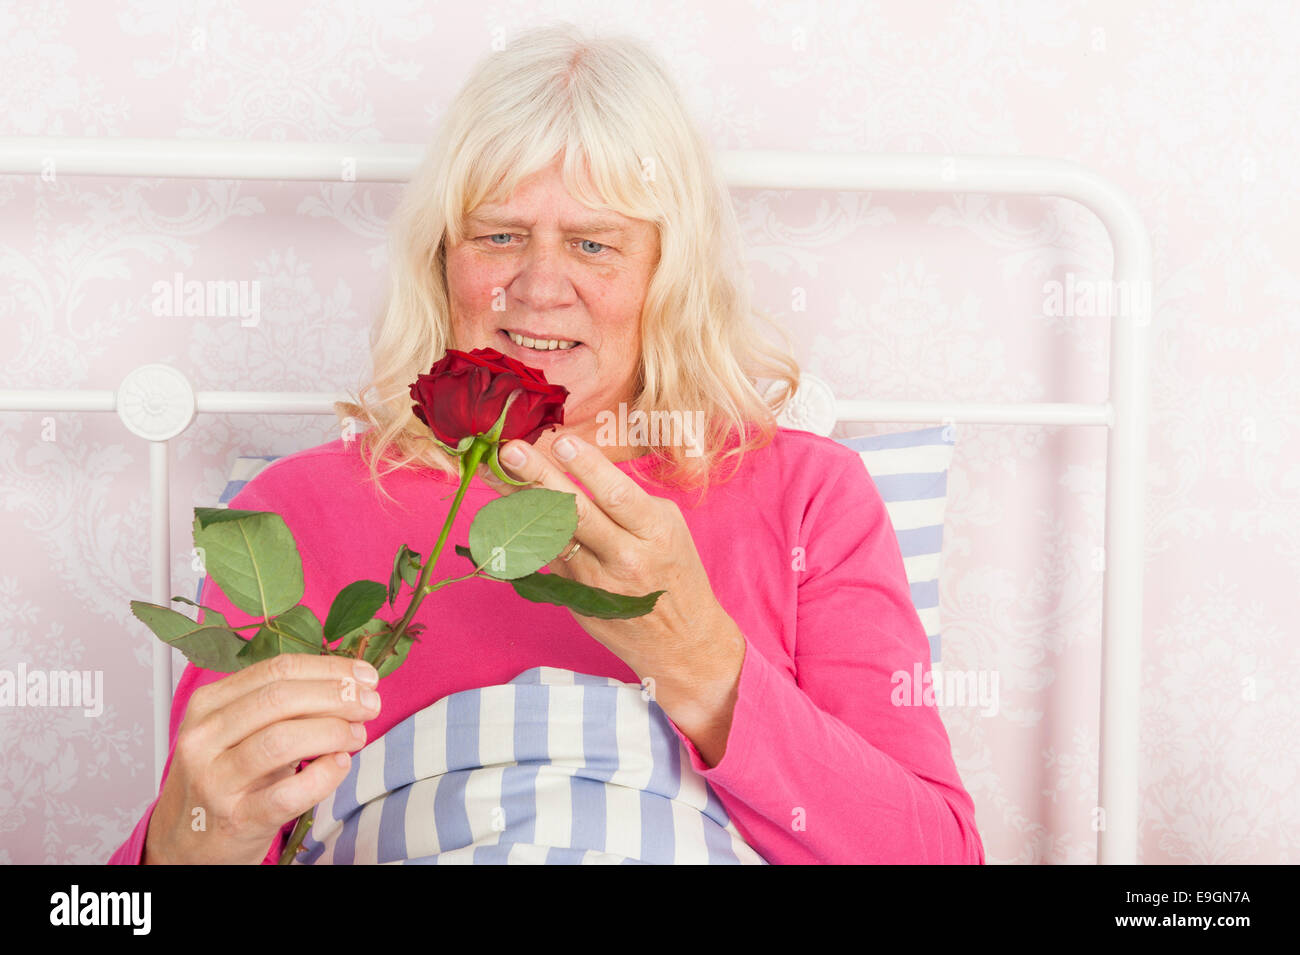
pixel 157 403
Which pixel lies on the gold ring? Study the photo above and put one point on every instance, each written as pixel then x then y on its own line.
pixel 574 550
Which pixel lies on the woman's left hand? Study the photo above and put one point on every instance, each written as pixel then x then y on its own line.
pixel 635 543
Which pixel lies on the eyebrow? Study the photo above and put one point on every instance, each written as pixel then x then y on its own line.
pixel 593 226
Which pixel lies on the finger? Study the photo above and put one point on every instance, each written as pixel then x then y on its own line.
pixel 285 666
pixel 619 497
pixel 285 700
pixel 272 807
pixel 270 779
pixel 285 744
pixel 598 534
pixel 582 565
pixel 501 487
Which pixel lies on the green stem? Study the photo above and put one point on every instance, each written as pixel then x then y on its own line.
pixel 296 837
pixel 469 464
pixel 454 580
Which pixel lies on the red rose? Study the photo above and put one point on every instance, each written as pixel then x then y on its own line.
pixel 464 393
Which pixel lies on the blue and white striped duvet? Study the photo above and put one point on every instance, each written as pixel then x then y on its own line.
pixel 553 767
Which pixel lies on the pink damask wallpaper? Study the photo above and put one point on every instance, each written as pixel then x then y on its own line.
pixel 1188 106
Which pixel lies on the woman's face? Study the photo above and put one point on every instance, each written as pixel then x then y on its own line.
pixel 545 266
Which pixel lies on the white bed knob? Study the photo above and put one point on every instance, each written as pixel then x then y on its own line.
pixel 813 407
pixel 156 402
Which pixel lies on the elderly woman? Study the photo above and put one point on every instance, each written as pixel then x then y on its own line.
pixel 569 216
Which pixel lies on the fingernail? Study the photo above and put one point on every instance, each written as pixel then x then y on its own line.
pixel 565 448
pixel 370 699
pixel 513 456
pixel 365 673
pixel 359 732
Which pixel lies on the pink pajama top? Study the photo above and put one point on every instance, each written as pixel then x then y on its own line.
pixel 820 765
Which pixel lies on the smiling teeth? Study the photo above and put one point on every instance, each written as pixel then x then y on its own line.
pixel 541 344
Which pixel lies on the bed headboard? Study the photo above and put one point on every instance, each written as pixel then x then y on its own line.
pixel 157 402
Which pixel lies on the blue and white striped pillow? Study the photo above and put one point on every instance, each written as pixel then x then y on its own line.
pixel 910 470
pixel 244 470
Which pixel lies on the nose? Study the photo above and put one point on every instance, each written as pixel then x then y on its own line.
pixel 542 281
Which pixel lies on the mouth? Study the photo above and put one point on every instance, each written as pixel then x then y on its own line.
pixel 547 351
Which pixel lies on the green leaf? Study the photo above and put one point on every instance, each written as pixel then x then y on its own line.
pixel 252 557
pixel 464 552
pixel 206 516
pixel 411 567
pixel 395 578
pixel 211 647
pixel 297 630
pixel 582 599
pixel 386 652
pixel 210 617
pixel 397 656
pixel 355 604
pixel 529 527
pixel 378 647
pixel 406 567
pixel 457 451
pixel 353 637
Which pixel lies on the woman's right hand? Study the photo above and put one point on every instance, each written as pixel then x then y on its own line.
pixel 233 781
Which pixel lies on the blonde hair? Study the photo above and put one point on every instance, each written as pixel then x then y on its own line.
pixel 610 108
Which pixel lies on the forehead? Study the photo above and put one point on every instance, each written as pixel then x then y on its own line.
pixel 542 199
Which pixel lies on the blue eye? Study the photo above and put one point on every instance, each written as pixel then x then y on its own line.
pixel 599 247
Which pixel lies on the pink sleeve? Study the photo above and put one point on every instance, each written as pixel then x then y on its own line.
pixel 825 768
pixel 131 852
